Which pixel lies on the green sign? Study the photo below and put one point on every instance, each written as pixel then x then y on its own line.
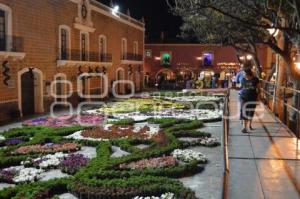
pixel 166 59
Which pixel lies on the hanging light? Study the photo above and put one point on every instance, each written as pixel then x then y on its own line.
pixel 242 58
pixel 249 57
pixel 273 32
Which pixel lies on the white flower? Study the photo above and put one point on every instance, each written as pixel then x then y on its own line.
pixel 2 138
pixel 28 175
pixel 189 156
pixel 194 98
pixel 50 160
pixel 153 129
pixel 200 114
pixel 163 196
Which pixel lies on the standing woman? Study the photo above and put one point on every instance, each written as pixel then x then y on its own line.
pixel 248 97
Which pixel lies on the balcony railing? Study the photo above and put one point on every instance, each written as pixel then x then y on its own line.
pixel 131 57
pixel 89 56
pixel 11 44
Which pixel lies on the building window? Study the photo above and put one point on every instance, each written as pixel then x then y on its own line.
pixel 208 59
pixel 124 48
pixel 84 47
pixel 2 31
pixel 63 46
pixel 6 42
pixel 64 42
pixel 102 47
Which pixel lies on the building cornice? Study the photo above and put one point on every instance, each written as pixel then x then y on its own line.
pixel 187 45
pixel 107 11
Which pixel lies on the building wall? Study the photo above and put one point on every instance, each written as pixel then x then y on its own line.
pixel 36 25
pixel 187 56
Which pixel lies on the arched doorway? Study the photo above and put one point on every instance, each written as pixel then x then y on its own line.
pixel 120 76
pixel 30 91
pixel 186 74
pixel 166 74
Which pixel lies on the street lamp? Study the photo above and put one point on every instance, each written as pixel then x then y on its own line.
pixel 115 10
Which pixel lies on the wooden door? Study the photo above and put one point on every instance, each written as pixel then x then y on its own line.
pixel 27 82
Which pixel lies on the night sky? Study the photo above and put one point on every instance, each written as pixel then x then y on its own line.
pixel 157 17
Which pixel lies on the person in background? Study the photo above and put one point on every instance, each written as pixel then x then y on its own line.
pixel 189 83
pixel 214 82
pixel 248 98
pixel 239 77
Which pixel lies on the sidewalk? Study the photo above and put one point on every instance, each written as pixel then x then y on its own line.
pixel 266 163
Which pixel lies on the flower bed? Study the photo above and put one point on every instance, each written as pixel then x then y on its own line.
pixel 142 105
pixel 189 156
pixel 45 162
pixel 163 196
pixel 204 141
pixel 67 120
pixel 73 163
pixel 142 131
pixel 20 174
pixel 160 162
pixel 199 114
pixel 47 148
pixel 139 174
pixel 197 98
pixel 13 141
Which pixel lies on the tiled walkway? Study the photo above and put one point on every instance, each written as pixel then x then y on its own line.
pixel 265 163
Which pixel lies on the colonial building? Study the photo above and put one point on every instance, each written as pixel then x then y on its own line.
pixel 180 61
pixel 46 40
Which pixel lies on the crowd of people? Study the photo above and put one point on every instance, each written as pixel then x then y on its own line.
pixel 245 81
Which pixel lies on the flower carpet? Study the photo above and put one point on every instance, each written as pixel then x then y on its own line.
pixel 60 145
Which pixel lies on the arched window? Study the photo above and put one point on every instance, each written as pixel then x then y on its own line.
pixel 124 49
pixel 64 42
pixel 5 28
pixel 102 48
pixel 84 46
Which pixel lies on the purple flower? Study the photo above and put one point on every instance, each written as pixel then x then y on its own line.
pixel 7 176
pixel 13 141
pixel 73 163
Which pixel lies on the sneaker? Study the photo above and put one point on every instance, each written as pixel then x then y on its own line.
pixel 251 128
pixel 244 131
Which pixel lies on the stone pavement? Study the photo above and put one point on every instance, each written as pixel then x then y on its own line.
pixel 264 164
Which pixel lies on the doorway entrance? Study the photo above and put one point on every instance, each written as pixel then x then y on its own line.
pixel 27 93
pixel 30 91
